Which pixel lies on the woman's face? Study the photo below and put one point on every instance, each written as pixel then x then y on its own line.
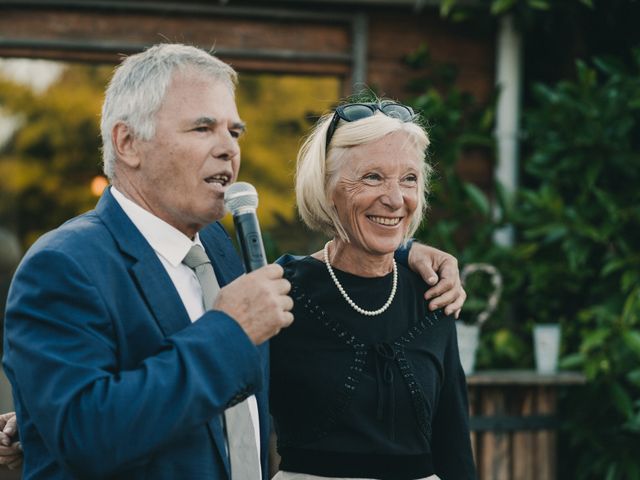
pixel 377 192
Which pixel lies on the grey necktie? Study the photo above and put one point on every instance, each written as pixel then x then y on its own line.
pixel 241 440
pixel 243 453
pixel 197 260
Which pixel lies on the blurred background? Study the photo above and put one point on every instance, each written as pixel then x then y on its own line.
pixel 533 108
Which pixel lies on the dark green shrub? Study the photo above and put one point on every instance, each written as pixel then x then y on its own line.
pixel 463 219
pixel 577 256
pixel 579 224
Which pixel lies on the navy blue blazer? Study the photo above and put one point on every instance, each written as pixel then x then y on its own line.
pixel 110 378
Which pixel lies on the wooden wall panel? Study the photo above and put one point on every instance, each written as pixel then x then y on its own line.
pixel 249 41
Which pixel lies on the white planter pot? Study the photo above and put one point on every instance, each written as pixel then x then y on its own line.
pixel 468 337
pixel 546 342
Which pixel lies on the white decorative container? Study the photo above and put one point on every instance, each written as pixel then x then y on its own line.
pixel 546 343
pixel 468 338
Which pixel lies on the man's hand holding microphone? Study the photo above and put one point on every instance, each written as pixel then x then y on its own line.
pixel 259 300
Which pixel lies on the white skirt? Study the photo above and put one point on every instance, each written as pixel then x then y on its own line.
pixel 304 476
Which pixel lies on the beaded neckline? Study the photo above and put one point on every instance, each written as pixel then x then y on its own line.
pixel 369 313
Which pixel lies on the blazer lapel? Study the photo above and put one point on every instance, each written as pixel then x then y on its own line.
pixel 153 281
pixel 223 256
pixel 161 295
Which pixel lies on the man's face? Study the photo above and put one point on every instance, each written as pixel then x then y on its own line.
pixel 194 156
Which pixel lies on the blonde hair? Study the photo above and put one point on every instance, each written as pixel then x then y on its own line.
pixel 318 168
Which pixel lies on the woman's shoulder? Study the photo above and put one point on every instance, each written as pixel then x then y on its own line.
pixel 301 270
pixel 416 287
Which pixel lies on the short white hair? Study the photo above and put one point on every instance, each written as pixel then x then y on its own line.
pixel 138 87
pixel 318 169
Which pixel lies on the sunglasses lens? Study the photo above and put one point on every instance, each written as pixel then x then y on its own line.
pixel 354 112
pixel 395 110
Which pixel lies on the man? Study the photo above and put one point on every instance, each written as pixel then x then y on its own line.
pixel 122 364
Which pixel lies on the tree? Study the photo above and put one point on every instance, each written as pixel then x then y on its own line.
pixel 47 165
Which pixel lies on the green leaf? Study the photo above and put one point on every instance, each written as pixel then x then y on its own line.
pixel 632 468
pixel 632 340
pixel 501 6
pixel 478 198
pixel 633 425
pixel 460 16
pixel 586 75
pixel 446 6
pixel 630 279
pixel 610 66
pixel 621 400
pixel 613 265
pixel 594 339
pixel 634 377
pixel 631 309
pixel 539 4
pixel 555 232
pixel 571 362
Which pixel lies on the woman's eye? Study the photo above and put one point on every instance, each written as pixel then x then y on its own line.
pixel 411 179
pixel 372 177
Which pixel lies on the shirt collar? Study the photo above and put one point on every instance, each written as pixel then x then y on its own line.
pixel 166 240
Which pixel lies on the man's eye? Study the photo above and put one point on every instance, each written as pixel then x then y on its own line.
pixel 235 133
pixel 201 129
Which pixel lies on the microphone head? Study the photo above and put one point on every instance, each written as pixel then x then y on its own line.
pixel 240 197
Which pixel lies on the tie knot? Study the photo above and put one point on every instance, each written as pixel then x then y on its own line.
pixel 195 257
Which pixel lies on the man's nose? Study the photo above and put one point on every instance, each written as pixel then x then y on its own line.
pixel 226 147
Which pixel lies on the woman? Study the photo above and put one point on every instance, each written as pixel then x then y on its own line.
pixel 367 382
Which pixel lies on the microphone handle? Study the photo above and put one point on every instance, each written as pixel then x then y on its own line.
pixel 250 240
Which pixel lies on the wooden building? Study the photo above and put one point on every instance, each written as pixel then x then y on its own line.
pixel 362 42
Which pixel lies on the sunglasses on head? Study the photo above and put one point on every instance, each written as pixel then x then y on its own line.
pixel 352 112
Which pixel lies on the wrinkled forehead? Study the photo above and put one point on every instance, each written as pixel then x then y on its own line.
pixel 397 151
pixel 200 95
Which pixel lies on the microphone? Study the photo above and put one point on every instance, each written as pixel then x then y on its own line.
pixel 241 199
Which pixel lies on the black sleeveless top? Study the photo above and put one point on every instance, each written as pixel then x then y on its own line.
pixel 357 396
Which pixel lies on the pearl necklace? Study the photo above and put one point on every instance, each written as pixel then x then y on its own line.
pixel 358 309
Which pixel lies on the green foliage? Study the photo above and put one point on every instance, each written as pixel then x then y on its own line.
pixel 526 11
pixel 47 165
pixel 464 217
pixel 576 259
pixel 580 224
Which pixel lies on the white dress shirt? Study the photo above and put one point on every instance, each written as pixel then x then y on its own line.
pixel 171 246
